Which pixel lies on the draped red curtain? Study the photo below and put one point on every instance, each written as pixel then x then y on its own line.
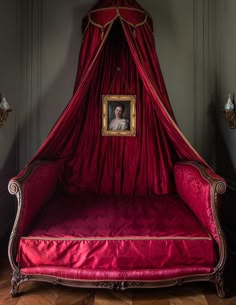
pixel 118 165
pixel 142 47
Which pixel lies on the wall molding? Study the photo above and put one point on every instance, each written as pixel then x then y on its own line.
pixel 200 72
pixel 31 54
pixel 198 65
pixel 204 78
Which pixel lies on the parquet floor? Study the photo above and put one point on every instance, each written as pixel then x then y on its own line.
pixel 37 293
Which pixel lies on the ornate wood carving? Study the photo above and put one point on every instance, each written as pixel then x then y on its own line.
pixel 219 284
pixel 123 285
pixel 17 279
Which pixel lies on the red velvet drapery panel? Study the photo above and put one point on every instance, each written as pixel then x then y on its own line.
pixel 118 165
pixel 142 47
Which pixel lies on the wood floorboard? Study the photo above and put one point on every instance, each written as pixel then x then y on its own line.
pixel 110 297
pixel 72 296
pixel 38 293
pixel 151 297
pixel 190 295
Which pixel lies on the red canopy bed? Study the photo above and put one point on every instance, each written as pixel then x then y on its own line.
pixel 117 211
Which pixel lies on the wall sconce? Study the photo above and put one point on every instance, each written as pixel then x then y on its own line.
pixel 230 113
pixel 4 109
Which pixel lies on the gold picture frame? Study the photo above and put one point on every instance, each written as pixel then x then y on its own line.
pixel 119 115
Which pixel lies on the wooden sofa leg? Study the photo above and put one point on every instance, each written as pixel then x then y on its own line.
pixel 15 282
pixel 220 284
pixel 17 279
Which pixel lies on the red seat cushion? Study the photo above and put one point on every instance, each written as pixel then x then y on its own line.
pixel 117 233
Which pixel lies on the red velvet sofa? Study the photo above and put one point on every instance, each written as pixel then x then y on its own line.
pixel 117 211
pixel 95 240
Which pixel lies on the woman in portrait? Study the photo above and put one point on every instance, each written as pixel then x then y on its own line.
pixel 119 123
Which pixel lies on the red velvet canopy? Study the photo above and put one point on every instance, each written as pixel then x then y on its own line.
pixel 118 34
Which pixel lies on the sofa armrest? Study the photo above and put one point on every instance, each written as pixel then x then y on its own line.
pixel 199 187
pixel 33 187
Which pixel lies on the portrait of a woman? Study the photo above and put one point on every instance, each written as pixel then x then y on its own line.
pixel 119 122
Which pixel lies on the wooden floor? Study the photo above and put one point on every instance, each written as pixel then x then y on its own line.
pixel 35 293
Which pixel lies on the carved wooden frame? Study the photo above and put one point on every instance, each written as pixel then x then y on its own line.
pixel 16 188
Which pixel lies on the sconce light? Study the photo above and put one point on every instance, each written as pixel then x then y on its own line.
pixel 4 109
pixel 230 113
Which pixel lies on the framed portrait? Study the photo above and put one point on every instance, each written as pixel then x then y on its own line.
pixel 118 115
